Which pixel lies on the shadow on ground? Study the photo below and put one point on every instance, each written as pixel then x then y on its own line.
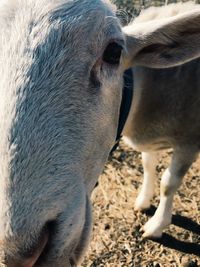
pixel 173 243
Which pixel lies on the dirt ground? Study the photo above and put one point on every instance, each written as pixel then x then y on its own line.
pixel 117 240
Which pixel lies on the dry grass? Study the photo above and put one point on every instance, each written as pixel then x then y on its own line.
pixel 117 240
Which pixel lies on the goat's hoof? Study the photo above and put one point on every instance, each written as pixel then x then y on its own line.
pixel 153 229
pixel 142 204
pixel 151 235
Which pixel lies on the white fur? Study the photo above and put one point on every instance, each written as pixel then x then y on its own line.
pixel 168 11
pixel 149 161
pixel 164 111
pixel 59 111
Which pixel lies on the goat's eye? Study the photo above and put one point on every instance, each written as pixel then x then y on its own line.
pixel 112 53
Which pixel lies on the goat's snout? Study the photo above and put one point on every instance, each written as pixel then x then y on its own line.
pixel 30 258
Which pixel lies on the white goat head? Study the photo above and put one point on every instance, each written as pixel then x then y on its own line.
pixel 61 69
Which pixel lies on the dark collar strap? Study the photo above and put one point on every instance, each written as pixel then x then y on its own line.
pixel 127 97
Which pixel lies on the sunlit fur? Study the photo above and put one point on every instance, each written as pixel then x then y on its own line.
pixel 165 109
pixel 59 110
pixel 163 12
pixel 57 127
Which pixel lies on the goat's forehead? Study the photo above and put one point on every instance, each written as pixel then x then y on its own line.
pixel 59 8
pixel 77 7
pixel 100 12
pixel 89 20
pixel 111 5
pixel 86 18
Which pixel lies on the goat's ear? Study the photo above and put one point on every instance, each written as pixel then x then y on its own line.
pixel 163 43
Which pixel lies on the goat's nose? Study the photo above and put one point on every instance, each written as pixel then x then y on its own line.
pixel 35 254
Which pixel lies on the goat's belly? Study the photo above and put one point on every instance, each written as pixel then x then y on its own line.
pixel 146 147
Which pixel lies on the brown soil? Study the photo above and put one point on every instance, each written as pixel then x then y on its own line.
pixel 117 240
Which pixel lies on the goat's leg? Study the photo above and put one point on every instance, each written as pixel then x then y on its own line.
pixel 171 180
pixel 143 201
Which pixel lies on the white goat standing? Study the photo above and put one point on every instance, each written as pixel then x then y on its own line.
pixel 165 113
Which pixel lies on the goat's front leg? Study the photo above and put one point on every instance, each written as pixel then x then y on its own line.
pixel 149 161
pixel 171 180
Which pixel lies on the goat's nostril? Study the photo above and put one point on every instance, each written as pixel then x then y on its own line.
pixel 32 256
pixel 37 252
pixel 29 262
